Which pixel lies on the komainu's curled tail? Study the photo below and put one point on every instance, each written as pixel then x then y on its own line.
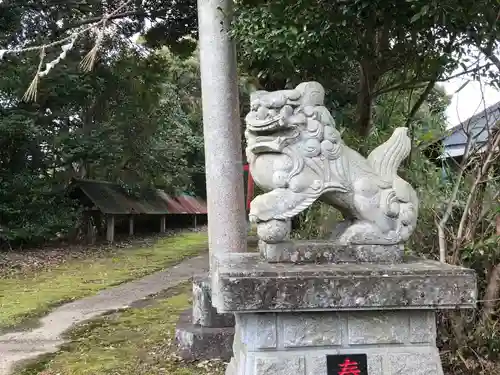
pixel 386 158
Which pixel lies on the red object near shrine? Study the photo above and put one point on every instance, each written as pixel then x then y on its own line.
pixel 250 186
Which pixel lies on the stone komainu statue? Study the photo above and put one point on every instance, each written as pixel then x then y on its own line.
pixel 297 155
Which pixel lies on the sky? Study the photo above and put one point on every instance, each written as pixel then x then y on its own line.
pixel 468 101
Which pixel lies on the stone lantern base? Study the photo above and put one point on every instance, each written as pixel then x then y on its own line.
pixel 291 318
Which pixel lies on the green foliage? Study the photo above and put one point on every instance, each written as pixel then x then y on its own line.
pixel 316 222
pixel 135 119
pixel 33 209
pixel 360 50
pixel 300 40
pixel 476 25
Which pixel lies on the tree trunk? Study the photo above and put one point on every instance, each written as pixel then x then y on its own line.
pixel 491 293
pixel 475 214
pixel 367 82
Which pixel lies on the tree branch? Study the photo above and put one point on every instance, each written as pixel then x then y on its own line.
pixel 449 207
pixel 138 13
pixel 495 60
pixel 409 85
pixel 421 99
pixel 490 152
pixel 420 82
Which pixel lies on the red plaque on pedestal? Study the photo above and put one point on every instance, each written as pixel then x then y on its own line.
pixel 347 364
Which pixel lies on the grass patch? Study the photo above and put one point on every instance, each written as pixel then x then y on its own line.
pixel 136 341
pixel 29 295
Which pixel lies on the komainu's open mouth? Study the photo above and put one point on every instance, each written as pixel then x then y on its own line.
pixel 267 124
pixel 263 119
pixel 269 141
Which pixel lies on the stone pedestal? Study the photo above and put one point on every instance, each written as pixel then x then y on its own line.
pixel 290 317
pixel 329 252
pixel 201 332
pixel 395 342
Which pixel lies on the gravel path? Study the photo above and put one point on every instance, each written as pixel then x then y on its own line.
pixel 24 345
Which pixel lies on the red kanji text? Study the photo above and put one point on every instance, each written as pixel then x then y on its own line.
pixel 349 368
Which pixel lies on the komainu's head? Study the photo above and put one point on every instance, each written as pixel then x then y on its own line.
pixel 280 113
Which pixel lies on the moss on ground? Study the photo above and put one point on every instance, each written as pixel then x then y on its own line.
pixel 33 294
pixel 136 341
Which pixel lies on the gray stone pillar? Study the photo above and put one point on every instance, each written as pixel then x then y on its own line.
pixel 110 230
pixel 222 129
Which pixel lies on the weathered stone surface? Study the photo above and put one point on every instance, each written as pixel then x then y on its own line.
pixel 222 139
pixel 316 365
pixel 279 365
pixel 276 252
pixel 204 314
pixel 422 327
pixel 375 365
pixel 296 154
pixel 386 327
pixel 259 331
pixel 333 252
pixel 245 283
pixel 195 342
pixel 274 231
pixel 301 348
pixel 303 330
pixel 415 364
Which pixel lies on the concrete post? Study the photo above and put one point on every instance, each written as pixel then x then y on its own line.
pixel 222 129
pixel 163 223
pixel 110 230
pixel 131 225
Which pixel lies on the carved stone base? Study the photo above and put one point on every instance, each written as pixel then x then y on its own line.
pixel 394 342
pixel 312 251
pixel 245 283
pixel 202 333
pixel 196 342
pixel 291 317
pixel 204 314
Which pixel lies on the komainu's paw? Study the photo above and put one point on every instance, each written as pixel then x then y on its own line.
pixel 279 204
